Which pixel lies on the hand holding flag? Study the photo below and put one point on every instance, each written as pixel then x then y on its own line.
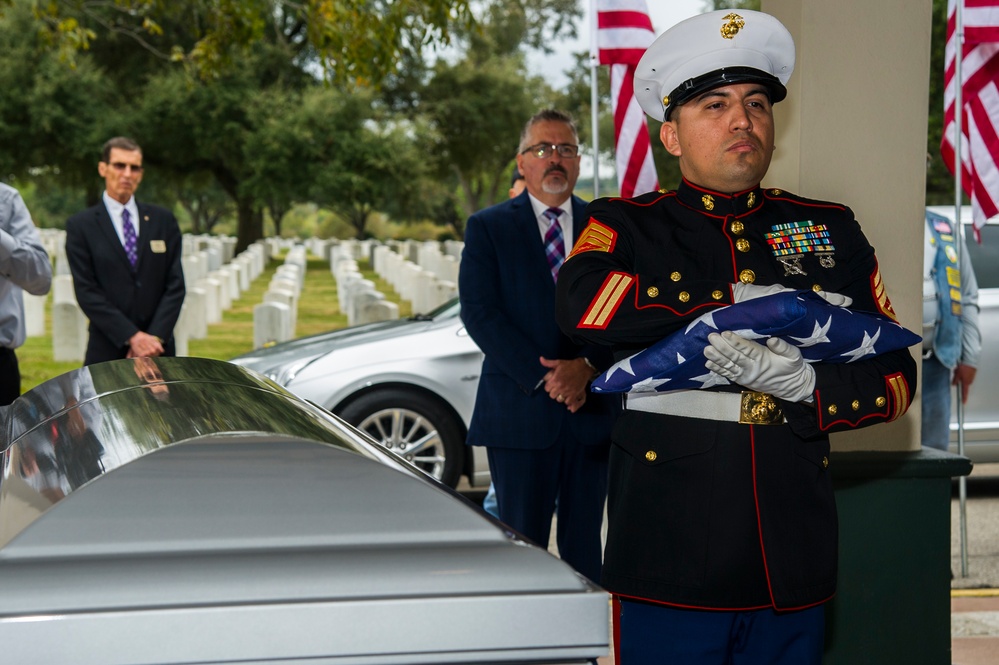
pixel 776 368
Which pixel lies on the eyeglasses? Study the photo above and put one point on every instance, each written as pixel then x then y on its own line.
pixel 122 166
pixel 545 150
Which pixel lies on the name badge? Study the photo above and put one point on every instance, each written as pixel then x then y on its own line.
pixel 158 246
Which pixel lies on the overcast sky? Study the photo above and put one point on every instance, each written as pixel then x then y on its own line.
pixel 664 15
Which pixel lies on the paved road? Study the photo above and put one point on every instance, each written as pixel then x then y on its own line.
pixel 982 519
pixel 975 597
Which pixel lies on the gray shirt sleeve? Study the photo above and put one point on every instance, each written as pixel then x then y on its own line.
pixel 23 259
pixel 971 335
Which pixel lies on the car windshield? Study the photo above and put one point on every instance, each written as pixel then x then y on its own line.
pixel 984 256
pixel 447 310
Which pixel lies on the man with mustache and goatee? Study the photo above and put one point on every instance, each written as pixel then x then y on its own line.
pixel 721 542
pixel 546 437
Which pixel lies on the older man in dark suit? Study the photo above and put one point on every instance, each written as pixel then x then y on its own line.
pixel 125 260
pixel 546 438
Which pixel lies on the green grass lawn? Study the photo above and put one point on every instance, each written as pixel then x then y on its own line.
pixel 318 311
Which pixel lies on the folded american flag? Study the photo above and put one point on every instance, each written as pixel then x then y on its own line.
pixel 822 332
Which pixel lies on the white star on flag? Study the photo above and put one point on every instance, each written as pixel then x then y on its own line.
pixel 866 347
pixel 818 335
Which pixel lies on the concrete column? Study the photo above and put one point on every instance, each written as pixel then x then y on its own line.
pixel 853 130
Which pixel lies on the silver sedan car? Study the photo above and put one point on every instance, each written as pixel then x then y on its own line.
pixel 410 384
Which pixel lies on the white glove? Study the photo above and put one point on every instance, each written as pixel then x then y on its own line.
pixel 743 292
pixel 777 368
pixel 837 299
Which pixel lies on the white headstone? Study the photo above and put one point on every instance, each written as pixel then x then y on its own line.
pixel 445 291
pixel 69 332
pixel 225 299
pixel 34 314
pixel 62 289
pixel 271 324
pixel 378 310
pixel 245 263
pixel 195 313
pixel 61 262
pixel 424 293
pixel 358 301
pixel 182 330
pixel 285 297
pixel 213 303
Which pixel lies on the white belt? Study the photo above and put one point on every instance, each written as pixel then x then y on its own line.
pixel 748 408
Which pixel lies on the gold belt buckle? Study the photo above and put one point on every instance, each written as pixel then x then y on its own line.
pixel 760 409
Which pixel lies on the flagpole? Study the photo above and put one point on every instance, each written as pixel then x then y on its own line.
pixel 594 97
pixel 962 484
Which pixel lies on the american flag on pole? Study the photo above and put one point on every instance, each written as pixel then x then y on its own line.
pixel 979 148
pixel 624 31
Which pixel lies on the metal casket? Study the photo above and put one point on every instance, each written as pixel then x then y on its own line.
pixel 184 510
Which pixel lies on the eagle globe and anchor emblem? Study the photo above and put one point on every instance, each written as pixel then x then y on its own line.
pixel 733 24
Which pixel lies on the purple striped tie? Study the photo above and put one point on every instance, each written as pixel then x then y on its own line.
pixel 129 232
pixel 554 245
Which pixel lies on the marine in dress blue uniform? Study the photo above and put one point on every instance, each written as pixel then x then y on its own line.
pixel 722 538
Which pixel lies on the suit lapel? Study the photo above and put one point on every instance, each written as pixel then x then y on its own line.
pixel 529 233
pixel 106 227
pixel 145 232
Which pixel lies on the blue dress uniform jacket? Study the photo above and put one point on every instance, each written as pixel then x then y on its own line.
pixel 711 514
pixel 508 306
pixel 118 299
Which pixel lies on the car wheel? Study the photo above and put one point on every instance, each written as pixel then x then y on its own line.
pixel 413 426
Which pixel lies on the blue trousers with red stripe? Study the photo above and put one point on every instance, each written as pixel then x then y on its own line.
pixel 647 634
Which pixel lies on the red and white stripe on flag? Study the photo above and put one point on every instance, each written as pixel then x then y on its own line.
pixel 624 31
pixel 980 101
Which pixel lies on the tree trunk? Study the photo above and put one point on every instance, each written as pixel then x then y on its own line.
pixel 250 223
pixel 359 219
pixel 250 227
pixel 277 214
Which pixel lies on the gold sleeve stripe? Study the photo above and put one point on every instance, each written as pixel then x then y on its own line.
pixel 899 390
pixel 595 238
pixel 881 295
pixel 607 300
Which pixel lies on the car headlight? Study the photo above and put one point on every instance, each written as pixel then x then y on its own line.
pixel 285 374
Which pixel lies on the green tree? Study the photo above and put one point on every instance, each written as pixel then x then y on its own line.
pixel 327 147
pixel 478 111
pixel 378 169
pixel 475 105
pixel 50 116
pixel 359 40
pixel 204 202
pixel 191 127
pixel 127 68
